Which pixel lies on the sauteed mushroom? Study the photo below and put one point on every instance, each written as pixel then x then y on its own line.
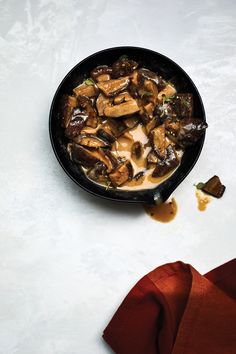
pixel 127 123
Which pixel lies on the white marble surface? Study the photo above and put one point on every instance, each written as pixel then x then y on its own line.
pixel 67 259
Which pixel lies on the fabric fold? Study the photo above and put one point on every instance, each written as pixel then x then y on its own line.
pixel 176 310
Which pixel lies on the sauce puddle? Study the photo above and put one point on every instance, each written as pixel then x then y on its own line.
pixel 202 200
pixel 165 212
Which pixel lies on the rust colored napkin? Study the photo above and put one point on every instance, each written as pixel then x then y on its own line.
pixel 176 310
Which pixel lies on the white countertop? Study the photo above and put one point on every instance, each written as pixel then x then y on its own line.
pixel 67 259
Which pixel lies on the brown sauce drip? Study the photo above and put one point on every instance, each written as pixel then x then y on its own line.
pixel 202 200
pixel 165 212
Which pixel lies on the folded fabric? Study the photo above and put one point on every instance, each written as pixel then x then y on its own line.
pixel 176 310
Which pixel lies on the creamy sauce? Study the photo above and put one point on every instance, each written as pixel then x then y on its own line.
pixel 165 212
pixel 135 183
pixel 202 200
pixel 122 148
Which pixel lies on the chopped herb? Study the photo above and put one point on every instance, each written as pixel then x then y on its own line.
pixel 186 103
pixel 199 185
pixel 123 57
pixel 89 82
pixel 166 99
pixel 145 93
pixel 108 183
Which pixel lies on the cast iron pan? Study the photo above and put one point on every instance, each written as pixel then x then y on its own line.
pixel 149 59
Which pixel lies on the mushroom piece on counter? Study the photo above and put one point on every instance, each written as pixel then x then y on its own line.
pixel 111 88
pixel 214 187
pixel 168 164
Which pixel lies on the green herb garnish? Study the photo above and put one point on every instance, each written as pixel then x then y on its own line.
pixel 108 183
pixel 199 185
pixel 186 103
pixel 166 99
pixel 123 57
pixel 89 82
pixel 145 93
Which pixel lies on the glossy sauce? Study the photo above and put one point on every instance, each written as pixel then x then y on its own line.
pixel 122 148
pixel 202 200
pixel 165 212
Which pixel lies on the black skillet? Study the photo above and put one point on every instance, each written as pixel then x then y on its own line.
pixel 149 59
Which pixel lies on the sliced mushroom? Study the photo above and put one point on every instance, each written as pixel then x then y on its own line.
pixel 76 124
pixel 133 90
pixel 100 70
pixel 149 108
pixel 152 159
pixel 104 77
pixel 113 87
pixel 122 174
pixel 131 122
pixel 114 127
pixel 158 141
pixel 85 157
pixel 106 135
pixel 88 158
pixel 134 78
pixel 86 104
pixel 182 105
pixel 68 103
pixel 123 67
pixel 155 121
pixel 165 166
pixel 91 141
pixel 139 175
pixel 112 158
pixel 214 187
pixel 150 92
pixel 122 97
pixel 145 74
pixel 137 150
pixel 98 173
pixel 122 109
pixel 101 103
pixel 85 90
pixel 188 131
pixel 167 92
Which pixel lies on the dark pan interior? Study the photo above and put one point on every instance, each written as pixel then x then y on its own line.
pixel 155 62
